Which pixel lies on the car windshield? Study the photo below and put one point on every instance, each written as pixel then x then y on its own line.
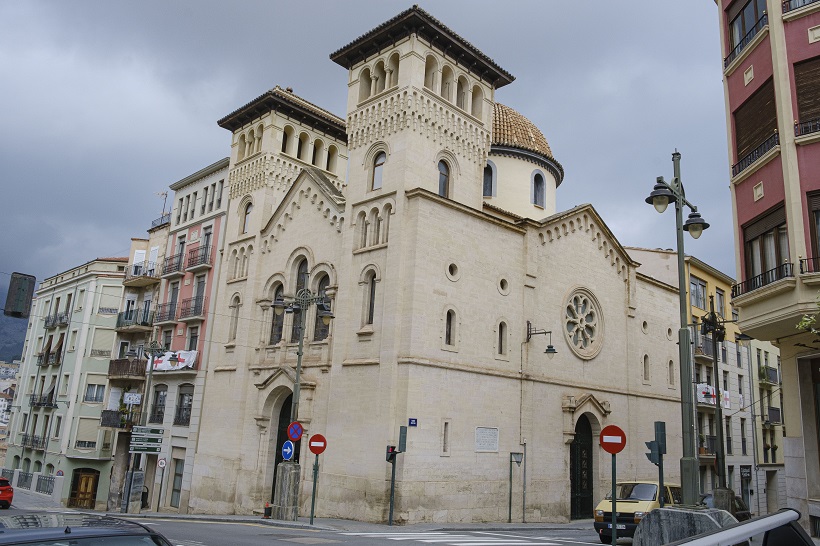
pixel 636 491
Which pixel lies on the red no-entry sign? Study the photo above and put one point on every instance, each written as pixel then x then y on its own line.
pixel 612 439
pixel 317 444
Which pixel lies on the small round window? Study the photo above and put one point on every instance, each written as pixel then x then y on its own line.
pixel 453 272
pixel 503 286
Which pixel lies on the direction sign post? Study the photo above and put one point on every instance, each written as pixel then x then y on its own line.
pixel 613 440
pixel 317 445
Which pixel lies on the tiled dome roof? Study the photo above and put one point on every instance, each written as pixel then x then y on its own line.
pixel 512 129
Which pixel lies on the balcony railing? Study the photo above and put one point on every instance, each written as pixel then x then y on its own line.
pixel 86 444
pixel 101 353
pixel 173 264
pixel 42 359
pixel 123 367
pixel 24 480
pixel 33 441
pixel 57 319
pixel 810 265
pixel 7 473
pixel 182 416
pixel 780 272
pixel 772 416
pixel 768 374
pixel 166 312
pixel 789 5
pixel 704 346
pixel 709 445
pixel 806 127
pixel 756 154
pixel 45 484
pixel 119 419
pixel 746 40
pixel 162 220
pixel 199 257
pixel 42 401
pixel 157 414
pixel 146 271
pixel 192 308
pixel 135 317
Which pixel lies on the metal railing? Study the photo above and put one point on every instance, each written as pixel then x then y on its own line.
pixel 789 5
pixel 24 480
pixel 142 269
pixel 42 401
pixel 86 444
pixel 33 441
pixel 772 416
pixel 809 265
pixel 746 40
pixel 768 374
pixel 119 419
pixel 7 473
pixel 42 359
pixel 199 256
pixel 135 317
pixel 192 307
pixel 173 264
pixel 806 127
pixel 166 312
pixel 182 416
pixel 57 319
pixel 123 367
pixel 157 414
pixel 782 271
pixel 709 445
pixel 747 160
pixel 45 484
pixel 101 353
pixel 162 220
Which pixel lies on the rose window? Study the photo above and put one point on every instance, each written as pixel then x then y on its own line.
pixel 583 324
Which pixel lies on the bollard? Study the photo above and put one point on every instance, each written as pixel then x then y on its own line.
pixel 268 509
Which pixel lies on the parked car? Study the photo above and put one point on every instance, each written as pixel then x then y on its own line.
pixel 633 501
pixel 6 493
pixel 77 529
pixel 739 509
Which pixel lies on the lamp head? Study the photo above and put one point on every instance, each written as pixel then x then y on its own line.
pixel 550 352
pixel 279 306
pixel 695 224
pixel 660 197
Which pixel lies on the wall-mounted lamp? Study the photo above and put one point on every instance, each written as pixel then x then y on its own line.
pixel 532 331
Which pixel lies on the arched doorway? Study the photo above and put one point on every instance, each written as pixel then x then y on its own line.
pixel 281 438
pixel 580 470
pixel 84 488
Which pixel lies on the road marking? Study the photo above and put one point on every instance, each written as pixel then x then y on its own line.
pixel 437 537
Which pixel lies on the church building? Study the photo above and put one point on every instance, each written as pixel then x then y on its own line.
pixel 465 306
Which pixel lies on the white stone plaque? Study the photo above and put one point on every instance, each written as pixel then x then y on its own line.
pixel 486 439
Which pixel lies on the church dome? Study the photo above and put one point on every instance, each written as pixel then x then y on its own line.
pixel 514 130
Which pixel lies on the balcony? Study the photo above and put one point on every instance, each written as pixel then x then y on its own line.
pixel 57 319
pixel 768 376
pixel 772 416
pixel 705 394
pixel 135 320
pixel 32 441
pixel 119 419
pixel 157 414
pixel 141 274
pixel 783 271
pixel 708 446
pixel 791 5
pixel 192 309
pixel 746 40
pixel 161 221
pixel 166 313
pixel 802 128
pixel 123 368
pixel 173 266
pixel 42 359
pixel 749 159
pixel 182 417
pixel 703 349
pixel 199 259
pixel 42 401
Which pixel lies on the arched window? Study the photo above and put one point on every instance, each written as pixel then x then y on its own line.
pixel 318 149
pixel 489 181
pixel 393 70
pixel 362 227
pixel 443 179
pixel 477 102
pixel 302 146
pixel 430 68
pixel 235 303
pixel 240 149
pixel 646 367
pixel 251 143
pixel 461 93
pixel 320 329
pixel 157 414
pixel 539 191
pixel 286 139
pixel 259 132
pixel 301 282
pixel 365 84
pixel 447 83
pixel 450 328
pixel 502 338
pixel 672 372
pixel 380 75
pixel 278 321
pixel 332 153
pixel 370 299
pixel 246 217
pixel 374 224
pixel 378 167
pixel 385 218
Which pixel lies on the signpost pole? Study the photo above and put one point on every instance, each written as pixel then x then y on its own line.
pixel 315 478
pixel 392 489
pixel 614 509
pixel 161 478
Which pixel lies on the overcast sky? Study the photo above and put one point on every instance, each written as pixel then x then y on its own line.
pixel 104 104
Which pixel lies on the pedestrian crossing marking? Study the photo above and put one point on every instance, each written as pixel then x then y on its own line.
pixel 457 539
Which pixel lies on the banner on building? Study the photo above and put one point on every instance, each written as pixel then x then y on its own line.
pixel 186 359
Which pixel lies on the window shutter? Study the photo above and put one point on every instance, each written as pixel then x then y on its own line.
pixel 103 340
pixel 807 86
pixel 87 430
pixel 139 256
pixel 764 223
pixel 154 253
pixel 110 297
pixel 813 200
pixel 755 120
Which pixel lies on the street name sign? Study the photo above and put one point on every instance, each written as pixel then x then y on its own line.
pixel 147 430
pixel 145 449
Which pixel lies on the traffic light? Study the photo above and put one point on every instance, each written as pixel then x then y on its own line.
pixel 654 454
pixel 391 454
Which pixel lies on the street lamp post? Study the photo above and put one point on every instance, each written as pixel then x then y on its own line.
pixel 662 195
pixel 287 494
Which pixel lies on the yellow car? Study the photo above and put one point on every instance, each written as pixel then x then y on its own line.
pixel 634 500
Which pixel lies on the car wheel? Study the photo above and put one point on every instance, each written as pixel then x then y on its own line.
pixel 605 539
pixel 6 505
